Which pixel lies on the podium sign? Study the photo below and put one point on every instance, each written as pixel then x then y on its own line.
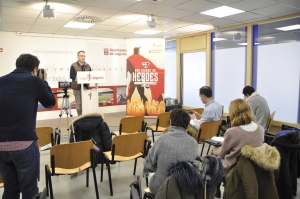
pixel 89 97
pixel 88 77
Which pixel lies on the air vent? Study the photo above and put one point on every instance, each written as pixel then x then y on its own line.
pixel 87 19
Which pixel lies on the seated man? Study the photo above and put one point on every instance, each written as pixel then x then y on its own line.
pixel 212 112
pixel 259 106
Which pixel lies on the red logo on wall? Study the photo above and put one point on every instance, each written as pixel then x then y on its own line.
pixel 106 51
pixel 1 50
pixel 90 95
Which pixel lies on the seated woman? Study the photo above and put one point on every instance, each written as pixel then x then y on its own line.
pixel 243 132
pixel 176 145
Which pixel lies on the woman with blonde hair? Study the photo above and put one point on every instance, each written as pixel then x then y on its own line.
pixel 243 132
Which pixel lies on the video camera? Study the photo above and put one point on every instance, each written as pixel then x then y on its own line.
pixel 65 85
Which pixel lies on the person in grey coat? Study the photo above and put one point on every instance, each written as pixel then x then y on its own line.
pixel 176 145
pixel 259 106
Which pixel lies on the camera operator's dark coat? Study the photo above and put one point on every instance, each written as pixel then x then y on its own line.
pixel 89 126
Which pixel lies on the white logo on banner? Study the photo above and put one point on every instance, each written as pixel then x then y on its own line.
pixel 145 64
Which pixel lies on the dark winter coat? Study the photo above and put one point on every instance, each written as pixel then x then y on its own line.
pixel 252 177
pixel 187 179
pixel 89 126
pixel 288 146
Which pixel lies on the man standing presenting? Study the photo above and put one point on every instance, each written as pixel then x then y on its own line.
pixel 80 65
pixel 259 106
pixel 212 111
pixel 19 152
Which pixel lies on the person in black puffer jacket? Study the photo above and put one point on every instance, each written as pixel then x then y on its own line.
pixel 89 126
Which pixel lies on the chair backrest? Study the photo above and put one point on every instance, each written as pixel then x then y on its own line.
pixel 129 145
pixel 198 110
pixel 209 129
pixel 270 121
pixel 44 134
pixel 166 131
pixel 163 119
pixel 1 181
pixel 72 155
pixel 131 124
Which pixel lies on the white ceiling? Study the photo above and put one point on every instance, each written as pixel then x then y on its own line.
pixel 120 18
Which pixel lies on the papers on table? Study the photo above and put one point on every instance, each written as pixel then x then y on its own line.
pixel 47 146
pixel 218 139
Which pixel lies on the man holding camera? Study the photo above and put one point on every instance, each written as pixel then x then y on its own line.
pixel 80 65
pixel 19 152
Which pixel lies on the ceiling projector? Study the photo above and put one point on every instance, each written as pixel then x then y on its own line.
pixel 48 12
pixel 151 23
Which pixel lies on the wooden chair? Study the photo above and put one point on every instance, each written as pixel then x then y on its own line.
pixel 45 136
pixel 131 125
pixel 206 131
pixel 124 148
pixel 1 181
pixel 198 110
pixel 270 121
pixel 71 158
pixel 162 123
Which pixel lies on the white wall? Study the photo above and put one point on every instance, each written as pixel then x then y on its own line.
pixel 57 53
pixel 194 77
pixel 230 66
pixel 171 73
pixel 278 77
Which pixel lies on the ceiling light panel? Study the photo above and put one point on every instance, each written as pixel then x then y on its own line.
pixel 222 11
pixel 287 28
pixel 73 24
pixel 147 32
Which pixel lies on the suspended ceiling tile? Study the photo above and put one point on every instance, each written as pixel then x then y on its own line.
pixel 46 28
pixel 127 29
pixel 273 10
pixel 20 12
pixel 257 19
pixel 15 29
pixel 60 17
pixel 285 14
pixel 174 13
pixel 170 3
pixel 294 3
pixel 21 20
pixel 42 31
pixel 197 18
pixel 248 5
pixel 198 5
pixel 50 22
pixel 243 16
pixel 103 27
pixel 145 8
pixel 177 24
pixel 15 25
pixel 92 33
pixel 114 22
pixel 128 16
pixel 219 22
pixel 70 30
pixel 113 4
pixel 98 12
pixel 224 2
pixel 115 33
pixel 78 2
pixel 24 4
